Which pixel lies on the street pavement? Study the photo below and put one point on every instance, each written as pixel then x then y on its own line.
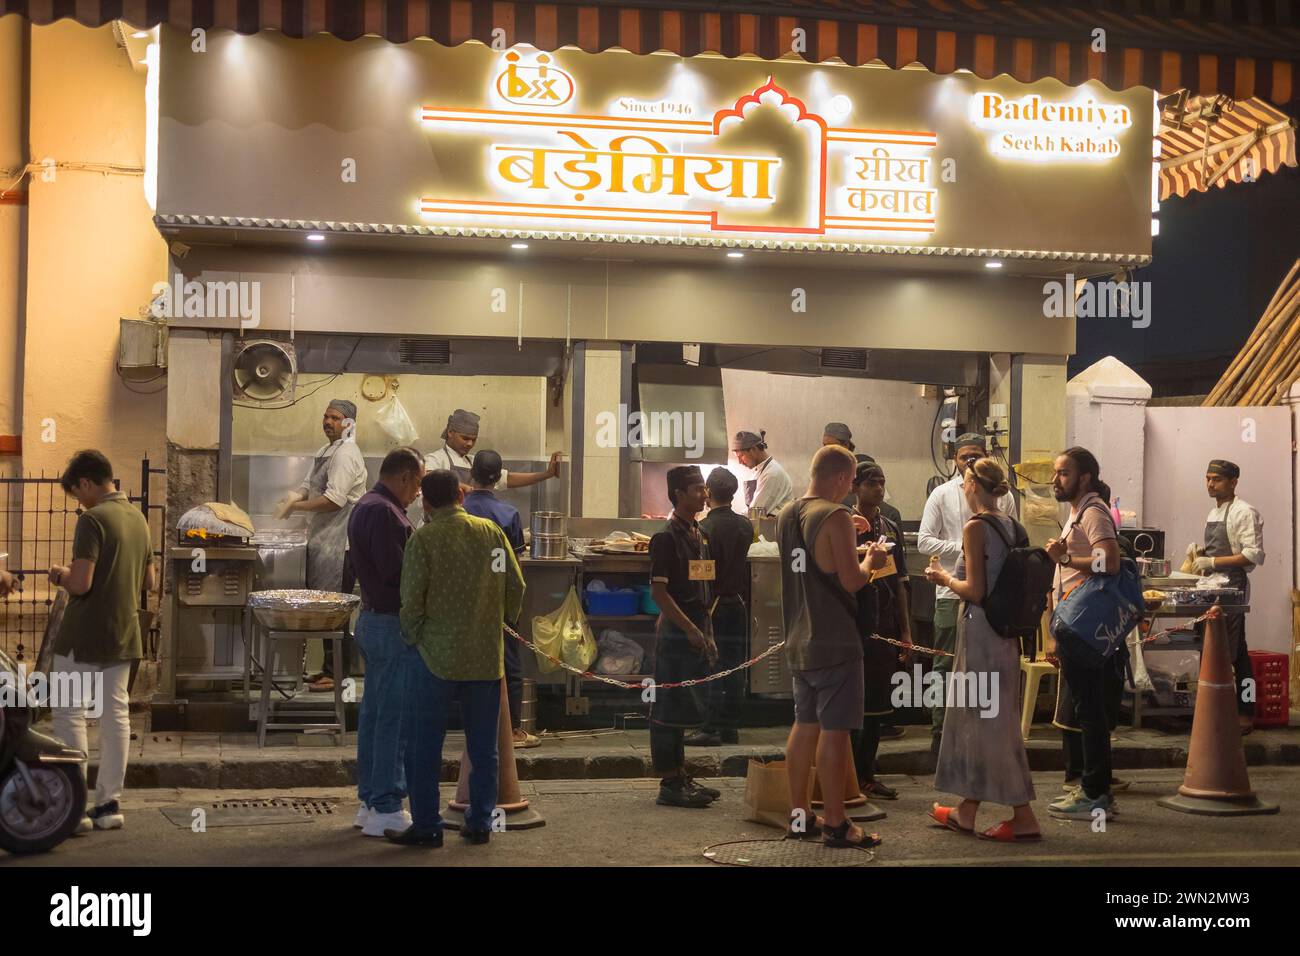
pixel 617 823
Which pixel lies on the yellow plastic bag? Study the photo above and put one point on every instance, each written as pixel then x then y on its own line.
pixel 565 633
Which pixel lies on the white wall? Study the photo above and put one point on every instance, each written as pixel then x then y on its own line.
pixel 1180 442
pixel 889 421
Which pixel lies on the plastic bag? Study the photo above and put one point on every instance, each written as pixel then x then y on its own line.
pixel 564 633
pixel 392 419
pixel 618 654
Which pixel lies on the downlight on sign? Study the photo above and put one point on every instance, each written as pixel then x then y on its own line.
pixel 765 163
pixel 1035 128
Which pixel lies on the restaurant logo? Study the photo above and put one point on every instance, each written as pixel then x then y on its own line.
pixel 1033 128
pixel 765 163
pixel 542 84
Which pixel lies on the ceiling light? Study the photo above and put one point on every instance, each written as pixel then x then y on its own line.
pixel 735 255
pixel 993 264
pixel 518 245
pixel 140 35
pixel 315 237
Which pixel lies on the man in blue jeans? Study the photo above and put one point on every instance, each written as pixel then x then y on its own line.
pixel 461 584
pixel 377 533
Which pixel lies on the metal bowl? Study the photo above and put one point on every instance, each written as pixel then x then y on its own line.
pixel 550 522
pixel 302 610
pixel 550 546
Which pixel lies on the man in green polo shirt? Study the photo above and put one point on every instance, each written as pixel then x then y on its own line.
pixel 99 636
pixel 460 584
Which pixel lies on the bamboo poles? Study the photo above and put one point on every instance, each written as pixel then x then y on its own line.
pixel 1269 362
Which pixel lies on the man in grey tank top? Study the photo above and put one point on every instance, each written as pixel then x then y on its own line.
pixel 820 578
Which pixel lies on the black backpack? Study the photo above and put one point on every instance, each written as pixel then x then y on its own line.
pixel 1015 606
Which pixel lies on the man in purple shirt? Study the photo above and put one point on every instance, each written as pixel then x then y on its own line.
pixel 377 533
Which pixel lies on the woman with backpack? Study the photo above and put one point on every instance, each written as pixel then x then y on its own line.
pixel 981 756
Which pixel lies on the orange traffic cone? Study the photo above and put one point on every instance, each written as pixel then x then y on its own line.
pixel 1216 782
pixel 854 798
pixel 518 814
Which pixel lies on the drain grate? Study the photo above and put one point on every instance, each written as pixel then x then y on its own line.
pixel 252 812
pixel 318 806
pixel 786 853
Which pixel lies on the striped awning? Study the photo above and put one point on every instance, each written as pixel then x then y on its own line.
pixel 1234 143
pixel 1241 48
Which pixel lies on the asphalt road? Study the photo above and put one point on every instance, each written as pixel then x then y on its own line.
pixel 617 823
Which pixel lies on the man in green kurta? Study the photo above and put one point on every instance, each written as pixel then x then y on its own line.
pixel 460 584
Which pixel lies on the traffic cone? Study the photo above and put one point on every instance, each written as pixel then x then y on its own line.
pixel 519 815
pixel 854 798
pixel 1216 782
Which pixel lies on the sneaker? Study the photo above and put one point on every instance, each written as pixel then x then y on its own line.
pixel 85 826
pixel 1079 806
pixel 693 784
pixel 703 738
pixel 677 794
pixel 381 823
pixel 1116 785
pixel 363 814
pixel 107 816
pixel 414 837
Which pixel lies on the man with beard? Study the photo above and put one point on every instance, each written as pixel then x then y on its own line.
pixel 1088 690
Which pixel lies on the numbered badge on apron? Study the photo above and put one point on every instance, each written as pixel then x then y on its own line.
pixel 702 571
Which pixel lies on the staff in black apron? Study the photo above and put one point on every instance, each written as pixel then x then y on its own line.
pixel 1234 544
pixel 681 582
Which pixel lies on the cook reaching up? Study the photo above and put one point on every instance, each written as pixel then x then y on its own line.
pixel 459 437
pixel 334 483
pixel 771 487
pixel 1234 546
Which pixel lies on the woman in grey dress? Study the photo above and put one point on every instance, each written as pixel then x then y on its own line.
pixel 982 757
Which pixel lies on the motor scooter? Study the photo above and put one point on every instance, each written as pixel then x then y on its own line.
pixel 42 783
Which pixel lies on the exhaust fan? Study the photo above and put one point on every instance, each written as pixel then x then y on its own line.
pixel 265 371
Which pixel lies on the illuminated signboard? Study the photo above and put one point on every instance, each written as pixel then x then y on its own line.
pixel 1037 129
pixel 763 164
pixel 614 147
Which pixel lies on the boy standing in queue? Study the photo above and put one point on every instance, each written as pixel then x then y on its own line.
pixel 681 583
pixel 884 609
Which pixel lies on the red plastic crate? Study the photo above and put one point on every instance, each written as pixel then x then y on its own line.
pixel 1272 692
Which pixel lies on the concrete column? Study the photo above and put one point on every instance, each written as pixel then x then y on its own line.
pixel 602 389
pixel 1106 413
pixel 13 236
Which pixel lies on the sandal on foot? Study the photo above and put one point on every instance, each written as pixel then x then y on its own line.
pixel 1003 833
pixel 839 837
pixel 875 790
pixel 947 817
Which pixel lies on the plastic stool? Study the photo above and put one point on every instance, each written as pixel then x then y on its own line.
pixel 1033 673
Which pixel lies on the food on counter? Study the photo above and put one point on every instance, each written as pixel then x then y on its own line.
pixel 1153 598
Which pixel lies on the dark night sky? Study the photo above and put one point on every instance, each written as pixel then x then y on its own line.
pixel 1217 261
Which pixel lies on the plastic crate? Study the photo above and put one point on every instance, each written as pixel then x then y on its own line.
pixel 612 603
pixel 1272 693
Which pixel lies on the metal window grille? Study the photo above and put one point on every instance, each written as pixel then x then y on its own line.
pixel 37 524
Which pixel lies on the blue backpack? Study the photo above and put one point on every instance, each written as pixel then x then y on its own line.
pixel 1099 613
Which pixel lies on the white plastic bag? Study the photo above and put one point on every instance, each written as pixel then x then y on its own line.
pixel 392 419
pixel 618 654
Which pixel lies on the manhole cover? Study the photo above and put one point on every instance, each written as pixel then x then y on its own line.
pixel 786 853
pixel 255 812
